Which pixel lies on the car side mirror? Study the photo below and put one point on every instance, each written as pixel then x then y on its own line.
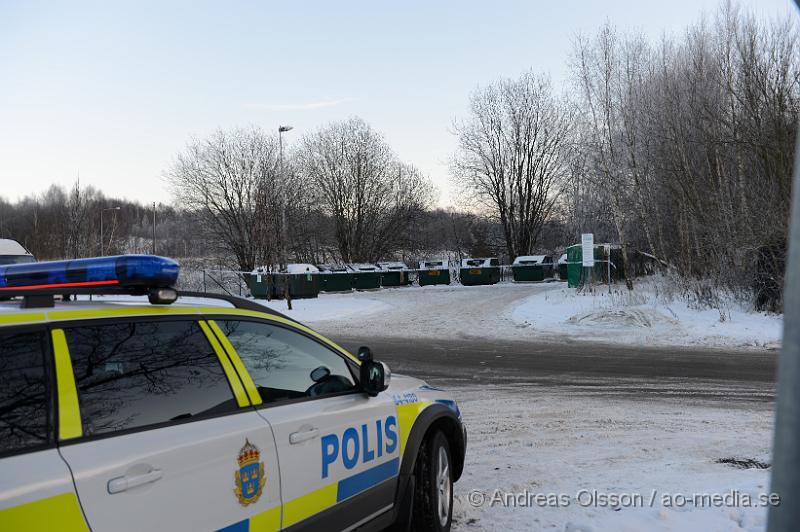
pixel 320 374
pixel 364 353
pixel 375 377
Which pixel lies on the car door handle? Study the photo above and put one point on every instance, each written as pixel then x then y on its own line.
pixel 126 482
pixel 301 436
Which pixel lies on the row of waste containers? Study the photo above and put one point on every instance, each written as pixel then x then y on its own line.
pixel 308 280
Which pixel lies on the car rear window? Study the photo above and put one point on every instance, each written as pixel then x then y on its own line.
pixel 24 395
pixel 135 374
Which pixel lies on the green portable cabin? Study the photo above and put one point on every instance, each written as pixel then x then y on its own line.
pixel 394 274
pixel 366 276
pixel 433 272
pixel 303 282
pixel 531 268
pixel 335 278
pixel 476 271
pixel 562 267
pixel 576 273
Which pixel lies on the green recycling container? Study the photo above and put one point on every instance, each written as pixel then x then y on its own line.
pixel 562 271
pixel 480 276
pixel 575 270
pixel 524 273
pixel 259 285
pixel 475 272
pixel 366 276
pixel 336 281
pixel 301 285
pixel 574 267
pixel 367 280
pixel 392 278
pixel 434 277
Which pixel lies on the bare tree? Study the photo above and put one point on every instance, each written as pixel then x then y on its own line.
pixel 688 145
pixel 609 72
pixel 513 155
pixel 370 196
pixel 231 182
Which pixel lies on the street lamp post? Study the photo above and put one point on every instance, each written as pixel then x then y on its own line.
pixel 102 244
pixel 284 229
pixel 154 228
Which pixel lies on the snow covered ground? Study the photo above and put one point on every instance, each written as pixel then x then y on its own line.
pixel 575 451
pixel 643 317
pixel 591 456
pixel 544 311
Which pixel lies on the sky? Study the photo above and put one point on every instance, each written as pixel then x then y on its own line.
pixel 111 92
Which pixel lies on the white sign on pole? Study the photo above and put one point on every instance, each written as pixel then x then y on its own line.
pixel 587 247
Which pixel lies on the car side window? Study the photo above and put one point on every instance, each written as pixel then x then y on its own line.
pixel 285 364
pixel 24 396
pixel 140 373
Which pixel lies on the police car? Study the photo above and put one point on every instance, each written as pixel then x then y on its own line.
pixel 190 413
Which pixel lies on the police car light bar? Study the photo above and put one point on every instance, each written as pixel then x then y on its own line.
pixel 129 274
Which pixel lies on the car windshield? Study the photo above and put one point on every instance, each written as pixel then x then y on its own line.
pixel 16 259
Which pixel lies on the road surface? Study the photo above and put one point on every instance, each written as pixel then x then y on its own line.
pixel 724 374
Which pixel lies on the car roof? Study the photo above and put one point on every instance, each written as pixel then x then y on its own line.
pixel 11 311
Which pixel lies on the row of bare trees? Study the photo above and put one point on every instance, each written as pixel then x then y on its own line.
pixel 342 187
pixel 66 223
pixel 687 144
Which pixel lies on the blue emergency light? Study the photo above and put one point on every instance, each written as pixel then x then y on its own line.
pixel 123 273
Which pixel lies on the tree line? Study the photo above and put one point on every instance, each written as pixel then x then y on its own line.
pixel 680 148
pixel 65 223
pixel 688 144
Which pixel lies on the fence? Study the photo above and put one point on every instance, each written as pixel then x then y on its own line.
pixel 236 283
pixel 230 282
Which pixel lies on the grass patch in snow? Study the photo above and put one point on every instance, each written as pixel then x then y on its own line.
pixel 744 463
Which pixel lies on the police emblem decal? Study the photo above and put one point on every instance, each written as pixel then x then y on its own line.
pixel 250 476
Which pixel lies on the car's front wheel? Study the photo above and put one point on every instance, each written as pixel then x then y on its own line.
pixel 433 494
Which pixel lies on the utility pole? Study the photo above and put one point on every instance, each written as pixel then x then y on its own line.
pixel 284 229
pixel 154 228
pixel 786 443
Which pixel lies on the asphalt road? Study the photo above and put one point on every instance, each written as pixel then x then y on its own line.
pixel 717 374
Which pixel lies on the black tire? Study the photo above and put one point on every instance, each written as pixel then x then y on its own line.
pixel 432 487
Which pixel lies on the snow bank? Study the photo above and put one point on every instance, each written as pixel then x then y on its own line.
pixel 644 317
